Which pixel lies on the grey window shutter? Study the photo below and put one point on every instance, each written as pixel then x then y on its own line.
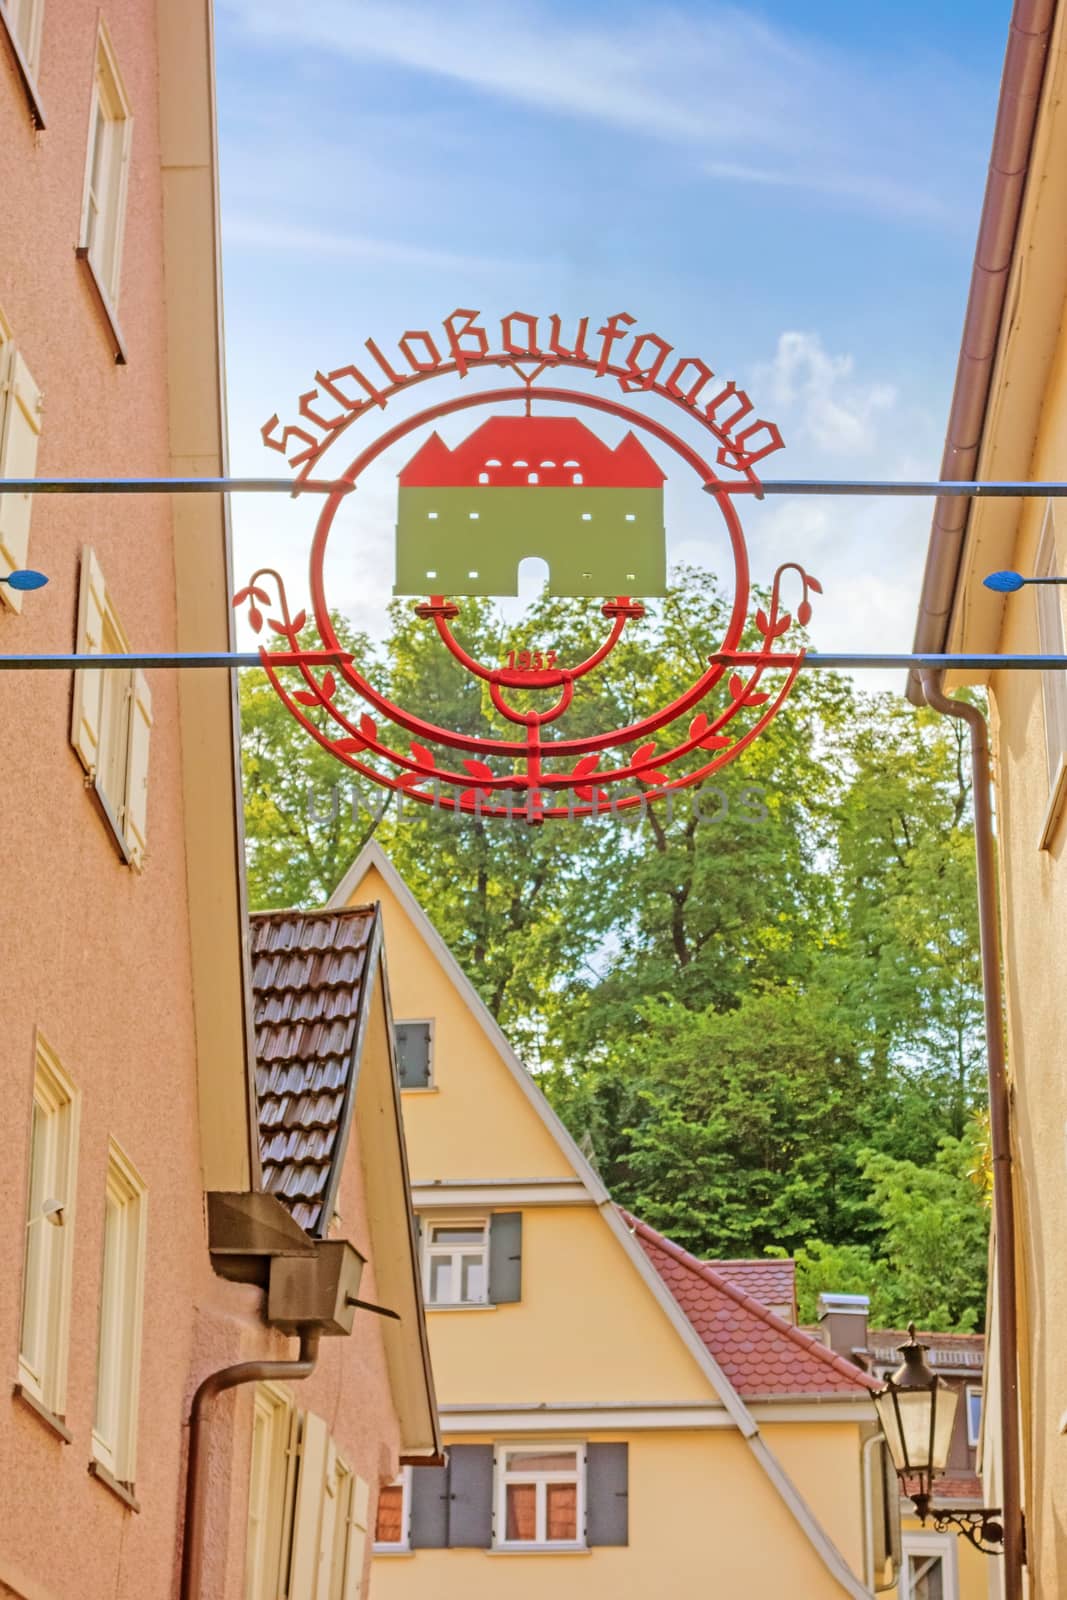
pixel 470 1501
pixel 429 1508
pixel 412 1041
pixel 885 1519
pixel 607 1504
pixel 505 1257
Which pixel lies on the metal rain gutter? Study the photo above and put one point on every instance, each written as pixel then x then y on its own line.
pixel 1009 165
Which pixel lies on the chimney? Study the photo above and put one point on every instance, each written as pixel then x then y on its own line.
pixel 843 1322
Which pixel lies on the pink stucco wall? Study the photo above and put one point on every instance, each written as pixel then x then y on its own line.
pixel 96 956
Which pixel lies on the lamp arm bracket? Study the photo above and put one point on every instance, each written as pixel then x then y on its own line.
pixel 983 1528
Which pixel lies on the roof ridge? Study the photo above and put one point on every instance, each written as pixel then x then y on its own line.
pixel 785 1262
pixel 314 912
pixel 806 1341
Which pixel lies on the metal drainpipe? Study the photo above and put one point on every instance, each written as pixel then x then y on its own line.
pixel 196 1476
pixel 999 1127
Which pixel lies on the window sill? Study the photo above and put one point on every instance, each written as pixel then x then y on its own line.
pixel 1054 809
pixel 541 1550
pixel 22 66
pixel 390 1551
pixel 420 1088
pixel 103 300
pixel 121 1491
pixel 468 1306
pixel 41 1411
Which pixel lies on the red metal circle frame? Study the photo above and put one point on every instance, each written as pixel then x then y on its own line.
pixel 534 779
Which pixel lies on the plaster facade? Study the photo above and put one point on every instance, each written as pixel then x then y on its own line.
pixel 767 1493
pixel 137 980
pixel 1024 436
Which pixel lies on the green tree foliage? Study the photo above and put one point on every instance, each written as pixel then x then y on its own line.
pixel 759 1008
pixel 930 1266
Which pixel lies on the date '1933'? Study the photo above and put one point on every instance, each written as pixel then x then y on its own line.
pixel 531 660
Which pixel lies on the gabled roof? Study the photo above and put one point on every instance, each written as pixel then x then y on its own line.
pixel 373 856
pixel 951 1350
pixel 325 1063
pixel 770 1279
pixel 309 989
pixel 507 448
pixel 760 1353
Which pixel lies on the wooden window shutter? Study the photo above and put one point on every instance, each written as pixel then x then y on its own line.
pixel 429 1508
pixel 88 685
pixel 884 1492
pixel 358 1509
pixel 607 1490
pixel 308 1507
pixel 335 1482
pixel 470 1498
pixel 135 811
pixel 505 1257
pixel 19 435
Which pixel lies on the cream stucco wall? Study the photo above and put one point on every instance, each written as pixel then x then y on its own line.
pixel 703 1521
pixel 464 1067
pixel 1034 898
pixel 1026 437
pixel 589 1331
pixel 584 1330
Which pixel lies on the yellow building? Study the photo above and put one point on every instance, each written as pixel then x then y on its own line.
pixel 1009 421
pixel 610 1405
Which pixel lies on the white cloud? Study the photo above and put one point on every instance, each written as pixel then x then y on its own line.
pixel 723 82
pixel 238 230
pixel 869 190
pixel 821 397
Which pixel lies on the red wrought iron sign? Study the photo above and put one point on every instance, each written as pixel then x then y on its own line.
pixel 533 479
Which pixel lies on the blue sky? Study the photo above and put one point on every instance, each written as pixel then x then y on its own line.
pixel 793 191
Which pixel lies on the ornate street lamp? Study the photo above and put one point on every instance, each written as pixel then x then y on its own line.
pixel 917 1410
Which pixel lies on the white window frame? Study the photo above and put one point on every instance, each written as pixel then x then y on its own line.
pixel 118 1351
pixel 270 1482
pixel 351 1533
pixel 49 1249
pixel 111 717
pixel 403 1482
pixel 432 1252
pixel 928 1546
pixel 420 1022
pixel 109 102
pixel 974 1434
pixel 21 407
pixel 1050 634
pixel 502 1477
pixel 24 21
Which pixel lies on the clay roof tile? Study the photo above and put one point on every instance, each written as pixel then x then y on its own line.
pixel 308 986
pixel 758 1350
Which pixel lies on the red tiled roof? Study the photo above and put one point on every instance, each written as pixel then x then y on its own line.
pixel 308 989
pixel 944 1349
pixel 771 1280
pixel 759 1352
pixel 965 1486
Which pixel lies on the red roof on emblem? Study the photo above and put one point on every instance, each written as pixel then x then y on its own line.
pixel 558 451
